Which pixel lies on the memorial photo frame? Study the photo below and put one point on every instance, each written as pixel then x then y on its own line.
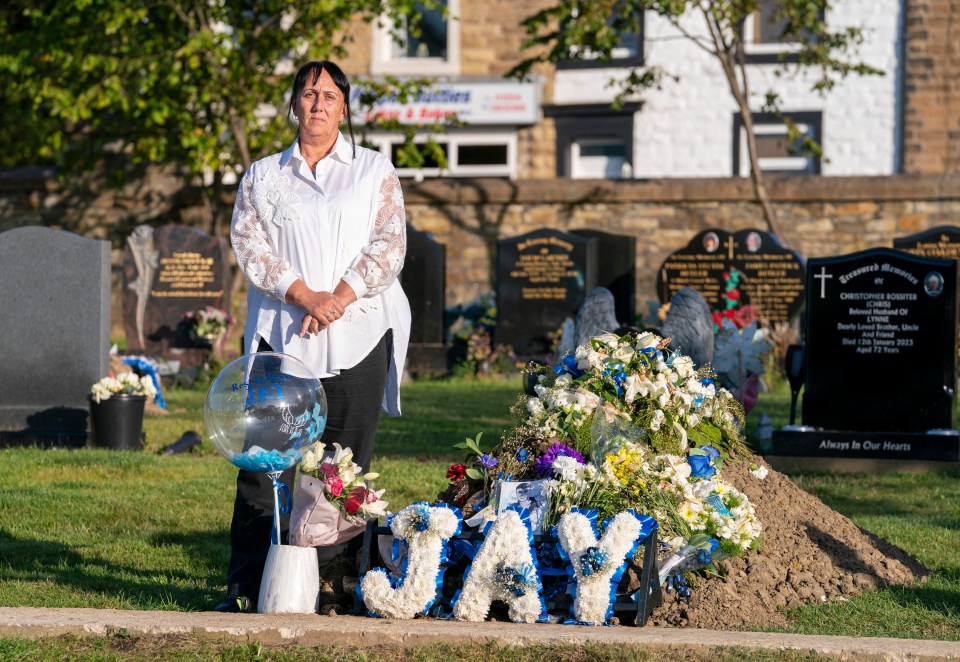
pixel 529 494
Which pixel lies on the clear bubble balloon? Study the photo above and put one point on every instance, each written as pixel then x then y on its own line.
pixel 264 411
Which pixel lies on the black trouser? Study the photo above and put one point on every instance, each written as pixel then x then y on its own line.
pixel 353 414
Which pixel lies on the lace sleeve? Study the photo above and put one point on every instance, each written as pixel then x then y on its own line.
pixel 251 243
pixel 381 259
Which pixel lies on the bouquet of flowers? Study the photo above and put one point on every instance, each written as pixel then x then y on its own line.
pixel 333 498
pixel 124 382
pixel 624 424
pixel 209 322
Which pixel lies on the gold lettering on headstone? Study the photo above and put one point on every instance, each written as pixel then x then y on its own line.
pixel 543 269
pixel 185 274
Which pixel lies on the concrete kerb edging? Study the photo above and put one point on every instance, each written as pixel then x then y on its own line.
pixel 313 630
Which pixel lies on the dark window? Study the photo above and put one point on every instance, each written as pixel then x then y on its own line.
pixel 428 36
pixel 428 160
pixel 481 155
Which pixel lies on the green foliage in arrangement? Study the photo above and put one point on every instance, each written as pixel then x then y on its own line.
pixel 138 530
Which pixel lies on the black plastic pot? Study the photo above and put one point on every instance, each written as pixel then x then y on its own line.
pixel 117 422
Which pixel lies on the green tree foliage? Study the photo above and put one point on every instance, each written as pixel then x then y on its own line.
pixel 572 29
pixel 198 83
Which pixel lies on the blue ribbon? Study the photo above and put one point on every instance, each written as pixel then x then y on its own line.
pixel 286 501
pixel 148 368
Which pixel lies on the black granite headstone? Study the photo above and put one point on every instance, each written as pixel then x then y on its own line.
pixel 617 270
pixel 542 277
pixel 880 352
pixel 423 280
pixel 168 272
pixel 942 242
pixel 54 333
pixel 732 271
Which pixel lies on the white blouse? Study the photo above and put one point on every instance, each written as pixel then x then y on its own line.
pixel 344 221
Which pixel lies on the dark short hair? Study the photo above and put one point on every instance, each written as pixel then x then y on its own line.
pixel 312 70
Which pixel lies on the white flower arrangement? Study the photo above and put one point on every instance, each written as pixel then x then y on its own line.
pixel 123 383
pixel 503 569
pixel 595 561
pixel 636 379
pixel 425 529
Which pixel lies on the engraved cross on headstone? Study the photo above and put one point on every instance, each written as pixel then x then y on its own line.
pixel 823 276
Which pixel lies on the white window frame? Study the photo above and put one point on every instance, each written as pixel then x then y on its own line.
pixel 576 163
pixel 800 165
pixel 750 47
pixel 384 142
pixel 383 63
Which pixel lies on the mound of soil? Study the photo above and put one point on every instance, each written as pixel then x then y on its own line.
pixel 810 553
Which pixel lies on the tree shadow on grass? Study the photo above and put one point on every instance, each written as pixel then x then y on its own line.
pixel 89 574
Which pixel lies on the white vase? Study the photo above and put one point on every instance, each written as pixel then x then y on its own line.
pixel 291 581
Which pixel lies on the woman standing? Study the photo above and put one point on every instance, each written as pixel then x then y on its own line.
pixel 319 231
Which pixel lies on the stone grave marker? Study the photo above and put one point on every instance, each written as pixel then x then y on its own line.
pixel 617 270
pixel 942 241
pixel 880 352
pixel 733 270
pixel 168 272
pixel 54 333
pixel 542 277
pixel 423 281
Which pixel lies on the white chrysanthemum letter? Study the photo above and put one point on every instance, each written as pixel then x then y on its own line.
pixel 503 569
pixel 425 529
pixel 595 561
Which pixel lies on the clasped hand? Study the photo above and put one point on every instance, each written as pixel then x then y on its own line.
pixel 324 309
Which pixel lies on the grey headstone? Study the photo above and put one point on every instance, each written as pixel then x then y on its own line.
pixel 689 325
pixel 54 333
pixel 597 315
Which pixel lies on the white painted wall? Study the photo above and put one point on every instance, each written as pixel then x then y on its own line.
pixel 686 129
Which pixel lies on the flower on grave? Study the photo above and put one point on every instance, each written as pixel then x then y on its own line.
pixel 487 461
pixel 346 486
pixel 519 580
pixel 456 472
pixel 759 471
pixel 703 462
pixel 544 463
pixel 209 322
pixel 128 383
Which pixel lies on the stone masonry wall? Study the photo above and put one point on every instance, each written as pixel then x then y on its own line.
pixel 821 215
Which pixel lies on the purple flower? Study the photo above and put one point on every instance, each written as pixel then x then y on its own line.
pixel 487 462
pixel 545 462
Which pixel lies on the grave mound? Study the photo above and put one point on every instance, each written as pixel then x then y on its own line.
pixel 810 554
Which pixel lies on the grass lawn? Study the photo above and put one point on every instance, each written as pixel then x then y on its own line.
pixel 100 528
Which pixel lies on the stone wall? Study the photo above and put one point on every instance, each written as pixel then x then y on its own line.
pixel 821 215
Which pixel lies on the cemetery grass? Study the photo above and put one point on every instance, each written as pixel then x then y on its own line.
pixel 127 530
